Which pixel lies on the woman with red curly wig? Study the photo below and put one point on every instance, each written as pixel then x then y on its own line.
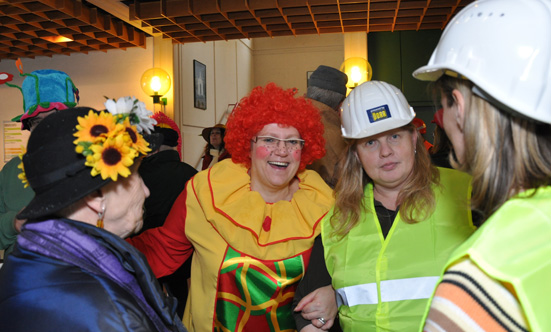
pixel 250 222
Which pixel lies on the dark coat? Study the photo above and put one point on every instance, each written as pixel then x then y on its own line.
pixel 166 177
pixel 41 293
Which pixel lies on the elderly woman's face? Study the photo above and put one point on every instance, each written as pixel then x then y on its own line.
pixel 275 163
pixel 388 157
pixel 124 202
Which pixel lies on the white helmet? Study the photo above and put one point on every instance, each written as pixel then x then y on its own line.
pixel 372 108
pixel 504 48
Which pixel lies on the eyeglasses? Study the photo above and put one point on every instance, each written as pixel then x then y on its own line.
pixel 291 144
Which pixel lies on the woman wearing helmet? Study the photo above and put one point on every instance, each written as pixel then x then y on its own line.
pixel 395 221
pixel 496 95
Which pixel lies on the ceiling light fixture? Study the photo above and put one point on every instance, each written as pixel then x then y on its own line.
pixel 57 39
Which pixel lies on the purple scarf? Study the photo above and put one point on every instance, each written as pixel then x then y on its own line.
pixel 63 241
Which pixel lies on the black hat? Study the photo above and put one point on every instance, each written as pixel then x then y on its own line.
pixel 329 78
pixel 54 169
pixel 170 136
pixel 155 140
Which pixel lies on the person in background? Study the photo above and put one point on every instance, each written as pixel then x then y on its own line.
pixel 78 272
pixel 395 221
pixel 251 220
pixel 499 122
pixel 44 92
pixel 165 175
pixel 441 151
pixel 326 90
pixel 215 150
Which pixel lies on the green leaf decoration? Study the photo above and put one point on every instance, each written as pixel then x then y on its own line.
pixel 86 148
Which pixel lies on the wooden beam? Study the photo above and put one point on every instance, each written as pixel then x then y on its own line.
pixel 122 12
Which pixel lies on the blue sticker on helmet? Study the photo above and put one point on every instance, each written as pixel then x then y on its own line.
pixel 378 113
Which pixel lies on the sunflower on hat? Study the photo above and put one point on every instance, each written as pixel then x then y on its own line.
pixel 136 140
pixel 106 144
pixel 112 157
pixel 93 126
pixel 111 141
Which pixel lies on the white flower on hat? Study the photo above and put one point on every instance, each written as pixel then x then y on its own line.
pixel 139 115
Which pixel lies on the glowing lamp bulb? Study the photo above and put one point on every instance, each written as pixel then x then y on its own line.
pixel 355 74
pixel 156 84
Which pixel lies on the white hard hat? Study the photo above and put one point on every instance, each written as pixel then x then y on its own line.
pixel 504 48
pixel 372 108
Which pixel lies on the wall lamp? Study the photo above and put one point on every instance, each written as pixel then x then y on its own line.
pixel 155 82
pixel 358 71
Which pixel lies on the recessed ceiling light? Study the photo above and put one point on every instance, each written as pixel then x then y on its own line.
pixel 57 39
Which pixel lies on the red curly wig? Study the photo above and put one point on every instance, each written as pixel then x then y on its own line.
pixel 272 104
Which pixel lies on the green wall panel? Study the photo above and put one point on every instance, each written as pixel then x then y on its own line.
pixel 384 56
pixel 395 55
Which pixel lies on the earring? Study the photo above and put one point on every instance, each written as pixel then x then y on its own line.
pixel 101 214
pixel 415 151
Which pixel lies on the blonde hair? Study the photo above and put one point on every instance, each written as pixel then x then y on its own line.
pixel 504 152
pixel 416 199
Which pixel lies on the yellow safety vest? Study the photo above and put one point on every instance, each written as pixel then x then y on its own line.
pixel 384 284
pixel 514 247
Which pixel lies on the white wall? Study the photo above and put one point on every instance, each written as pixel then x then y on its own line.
pixel 114 74
pixel 229 78
pixel 286 60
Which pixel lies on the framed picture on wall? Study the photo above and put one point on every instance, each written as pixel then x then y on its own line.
pixel 199 85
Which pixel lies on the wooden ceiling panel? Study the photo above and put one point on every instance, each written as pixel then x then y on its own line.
pixel 28 18
pixel 406 20
pixel 253 29
pixel 29 26
pixel 298 19
pixel 56 15
pixel 240 15
pixel 289 11
pixel 99 25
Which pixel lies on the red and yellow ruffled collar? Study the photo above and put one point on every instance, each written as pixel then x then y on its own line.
pixel 266 224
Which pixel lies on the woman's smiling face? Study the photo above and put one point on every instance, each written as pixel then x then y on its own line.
pixel 273 168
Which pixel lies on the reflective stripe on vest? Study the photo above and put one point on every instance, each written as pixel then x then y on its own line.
pixel 391 290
